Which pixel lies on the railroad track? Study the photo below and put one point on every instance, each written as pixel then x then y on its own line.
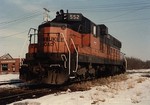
pixel 9 82
pixel 24 94
pixel 8 96
pixel 35 91
pixel 137 71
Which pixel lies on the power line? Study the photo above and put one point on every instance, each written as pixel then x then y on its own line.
pixel 16 21
pixel 111 7
pixel 129 20
pixel 3 37
pixel 19 19
pixel 130 12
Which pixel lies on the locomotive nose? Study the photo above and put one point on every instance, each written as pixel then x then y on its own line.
pixel 38 69
pixel 56 74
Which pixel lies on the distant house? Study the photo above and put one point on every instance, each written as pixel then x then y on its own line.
pixel 8 64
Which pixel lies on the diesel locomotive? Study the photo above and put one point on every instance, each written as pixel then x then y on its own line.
pixel 71 47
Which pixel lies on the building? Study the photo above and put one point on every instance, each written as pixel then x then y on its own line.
pixel 9 64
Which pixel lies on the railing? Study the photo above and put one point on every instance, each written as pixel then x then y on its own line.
pixel 68 51
pixel 76 56
pixel 70 54
pixel 122 57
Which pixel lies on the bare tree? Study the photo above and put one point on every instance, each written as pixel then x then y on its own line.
pixel 136 63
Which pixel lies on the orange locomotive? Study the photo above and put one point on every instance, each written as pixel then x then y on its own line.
pixel 71 47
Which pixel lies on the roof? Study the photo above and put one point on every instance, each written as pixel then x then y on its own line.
pixel 6 56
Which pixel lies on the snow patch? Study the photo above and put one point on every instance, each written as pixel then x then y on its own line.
pixel 133 91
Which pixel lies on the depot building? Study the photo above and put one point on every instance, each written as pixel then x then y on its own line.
pixel 8 64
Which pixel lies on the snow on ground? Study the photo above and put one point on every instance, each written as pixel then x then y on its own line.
pixel 8 77
pixel 4 78
pixel 133 91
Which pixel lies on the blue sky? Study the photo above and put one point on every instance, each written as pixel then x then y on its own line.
pixel 127 20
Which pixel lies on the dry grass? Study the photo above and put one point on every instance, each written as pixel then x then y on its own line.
pixel 83 86
pixel 96 97
pixel 138 93
pixel 140 80
pixel 130 85
pixel 96 101
pixel 135 100
pixel 27 103
pixel 81 96
pixel 97 82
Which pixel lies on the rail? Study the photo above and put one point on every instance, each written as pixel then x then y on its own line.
pixel 10 82
pixel 24 94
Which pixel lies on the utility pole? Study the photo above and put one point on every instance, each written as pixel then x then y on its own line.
pixel 46 16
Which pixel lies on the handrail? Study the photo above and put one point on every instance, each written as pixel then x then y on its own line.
pixel 68 50
pixel 64 59
pixel 77 55
pixel 123 57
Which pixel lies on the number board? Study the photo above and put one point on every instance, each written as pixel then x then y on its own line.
pixel 74 17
